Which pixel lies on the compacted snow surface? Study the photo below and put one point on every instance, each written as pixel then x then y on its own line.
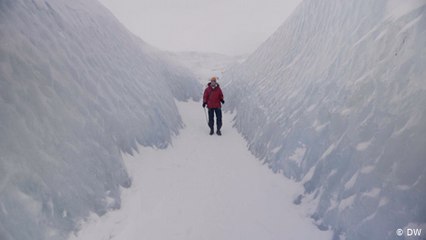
pixel 203 187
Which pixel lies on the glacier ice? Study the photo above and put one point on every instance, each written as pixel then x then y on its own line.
pixel 76 90
pixel 345 82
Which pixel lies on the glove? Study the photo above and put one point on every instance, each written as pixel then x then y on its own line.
pixel 222 101
pixel 204 104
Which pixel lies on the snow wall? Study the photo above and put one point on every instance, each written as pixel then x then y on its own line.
pixel 76 89
pixel 335 99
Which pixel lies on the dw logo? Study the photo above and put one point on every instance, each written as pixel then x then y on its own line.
pixel 409 232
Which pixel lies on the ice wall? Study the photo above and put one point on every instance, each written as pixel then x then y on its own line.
pixel 76 89
pixel 335 99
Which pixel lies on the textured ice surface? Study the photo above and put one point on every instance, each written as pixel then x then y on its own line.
pixel 346 83
pixel 76 88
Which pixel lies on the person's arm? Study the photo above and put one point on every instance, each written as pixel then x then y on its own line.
pixel 205 97
pixel 221 96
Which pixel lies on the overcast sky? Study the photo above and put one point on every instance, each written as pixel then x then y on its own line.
pixel 231 27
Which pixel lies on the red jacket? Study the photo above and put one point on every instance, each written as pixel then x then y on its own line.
pixel 213 96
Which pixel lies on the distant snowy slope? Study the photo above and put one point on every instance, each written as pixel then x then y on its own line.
pixel 206 65
pixel 336 99
pixel 76 88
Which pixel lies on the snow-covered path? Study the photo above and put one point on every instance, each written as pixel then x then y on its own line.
pixel 203 187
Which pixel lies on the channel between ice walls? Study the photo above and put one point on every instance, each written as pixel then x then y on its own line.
pixel 335 99
pixel 76 89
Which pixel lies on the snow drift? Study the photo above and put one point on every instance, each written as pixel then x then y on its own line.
pixel 76 88
pixel 335 99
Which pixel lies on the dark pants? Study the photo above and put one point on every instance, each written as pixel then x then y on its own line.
pixel 218 112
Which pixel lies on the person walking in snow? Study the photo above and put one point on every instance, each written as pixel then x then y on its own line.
pixel 212 98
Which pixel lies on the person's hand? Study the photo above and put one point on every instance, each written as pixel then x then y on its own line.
pixel 222 101
pixel 204 104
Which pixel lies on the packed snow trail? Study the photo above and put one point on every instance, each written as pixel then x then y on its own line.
pixel 203 187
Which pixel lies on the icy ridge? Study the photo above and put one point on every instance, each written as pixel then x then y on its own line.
pixel 76 90
pixel 344 82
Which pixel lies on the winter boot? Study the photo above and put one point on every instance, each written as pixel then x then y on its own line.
pixel 219 133
pixel 211 131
